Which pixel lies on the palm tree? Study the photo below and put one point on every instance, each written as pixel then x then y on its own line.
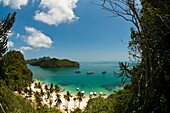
pixel 57 88
pixel 41 92
pixel 46 87
pixel 48 94
pixel 50 102
pixel 74 99
pixel 30 92
pixel 39 85
pixel 36 85
pixel 38 99
pixel 58 100
pixel 51 88
pixel 79 97
pixel 67 97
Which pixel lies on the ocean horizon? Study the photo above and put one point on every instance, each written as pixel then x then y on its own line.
pixel 68 80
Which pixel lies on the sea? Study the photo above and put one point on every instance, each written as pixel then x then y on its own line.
pixel 70 81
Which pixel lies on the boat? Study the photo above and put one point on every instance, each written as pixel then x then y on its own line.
pixel 89 72
pixel 78 89
pixel 94 93
pixel 82 92
pixel 103 72
pixel 91 94
pixel 100 93
pixel 77 71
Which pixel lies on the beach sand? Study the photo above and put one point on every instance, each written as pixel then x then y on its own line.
pixel 71 104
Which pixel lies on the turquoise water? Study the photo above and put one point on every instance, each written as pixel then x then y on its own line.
pixel 69 80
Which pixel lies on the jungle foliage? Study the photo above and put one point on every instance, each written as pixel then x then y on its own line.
pixel 149 47
pixel 16 74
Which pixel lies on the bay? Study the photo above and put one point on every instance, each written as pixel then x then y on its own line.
pixel 69 80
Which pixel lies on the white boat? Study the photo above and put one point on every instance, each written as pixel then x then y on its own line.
pixel 100 93
pixel 94 93
pixel 82 92
pixel 89 72
pixel 91 94
pixel 77 89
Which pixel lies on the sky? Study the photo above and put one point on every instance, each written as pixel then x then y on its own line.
pixel 72 29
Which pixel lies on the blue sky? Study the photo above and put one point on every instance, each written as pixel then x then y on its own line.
pixel 73 29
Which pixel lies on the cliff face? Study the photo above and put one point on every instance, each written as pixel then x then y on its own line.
pixel 47 62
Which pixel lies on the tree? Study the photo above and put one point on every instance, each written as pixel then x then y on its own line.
pixel 149 44
pixel 30 92
pixel 58 99
pixel 39 85
pixel 16 73
pixel 79 97
pixel 5 28
pixel 38 99
pixel 57 88
pixel 42 92
pixel 74 99
pixel 46 87
pixel 51 88
pixel 50 102
pixel 67 98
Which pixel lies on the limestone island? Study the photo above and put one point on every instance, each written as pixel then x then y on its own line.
pixel 47 62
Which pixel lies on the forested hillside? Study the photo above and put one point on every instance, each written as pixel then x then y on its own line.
pixel 47 62
pixel 16 74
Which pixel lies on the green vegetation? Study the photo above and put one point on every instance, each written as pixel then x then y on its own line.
pixel 47 62
pixel 16 74
pixel 12 103
pixel 48 110
pixel 5 29
pixel 150 79
pixel 16 78
pixel 114 103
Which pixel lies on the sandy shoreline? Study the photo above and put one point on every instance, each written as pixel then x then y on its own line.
pixel 71 104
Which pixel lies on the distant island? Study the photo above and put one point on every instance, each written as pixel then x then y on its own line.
pixel 47 62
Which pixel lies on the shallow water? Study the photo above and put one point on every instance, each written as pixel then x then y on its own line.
pixel 69 80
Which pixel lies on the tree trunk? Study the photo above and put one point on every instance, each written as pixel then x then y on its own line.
pixel 2 108
pixel 79 104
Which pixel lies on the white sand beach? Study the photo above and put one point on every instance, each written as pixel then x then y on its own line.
pixel 71 104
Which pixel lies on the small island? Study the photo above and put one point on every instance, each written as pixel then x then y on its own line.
pixel 47 62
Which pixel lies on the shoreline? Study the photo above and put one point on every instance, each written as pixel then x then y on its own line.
pixel 51 99
pixel 72 104
pixel 73 89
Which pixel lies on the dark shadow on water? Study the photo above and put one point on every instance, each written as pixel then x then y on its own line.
pixel 110 87
pixel 64 83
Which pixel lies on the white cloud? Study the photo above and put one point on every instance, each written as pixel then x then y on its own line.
pixel 18 35
pixel 10 44
pixel 15 4
pixel 36 38
pixel 24 48
pixel 56 11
